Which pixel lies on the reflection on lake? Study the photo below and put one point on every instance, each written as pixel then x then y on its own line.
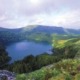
pixel 21 49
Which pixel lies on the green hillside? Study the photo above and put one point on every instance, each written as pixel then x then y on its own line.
pixel 66 68
pixel 69 46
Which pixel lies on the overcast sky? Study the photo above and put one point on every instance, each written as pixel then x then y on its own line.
pixel 20 13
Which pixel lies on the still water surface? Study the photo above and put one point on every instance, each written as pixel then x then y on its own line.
pixel 21 49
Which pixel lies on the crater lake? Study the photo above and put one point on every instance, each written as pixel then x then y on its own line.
pixel 19 50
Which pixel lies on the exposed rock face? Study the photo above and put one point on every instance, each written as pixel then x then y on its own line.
pixel 6 75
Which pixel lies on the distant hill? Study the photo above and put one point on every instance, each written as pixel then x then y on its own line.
pixel 42 28
pixel 38 33
pixel 17 30
pixel 51 30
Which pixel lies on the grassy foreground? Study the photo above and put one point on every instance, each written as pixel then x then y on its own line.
pixel 68 69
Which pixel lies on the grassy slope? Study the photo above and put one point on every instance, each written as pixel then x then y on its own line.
pixel 74 42
pixel 58 71
pixel 68 69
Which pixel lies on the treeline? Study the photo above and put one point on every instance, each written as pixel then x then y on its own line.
pixel 8 37
pixel 31 63
pixel 4 58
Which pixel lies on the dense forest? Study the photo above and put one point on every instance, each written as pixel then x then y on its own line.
pixel 4 58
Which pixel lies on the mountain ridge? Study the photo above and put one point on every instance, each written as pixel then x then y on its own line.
pixel 43 28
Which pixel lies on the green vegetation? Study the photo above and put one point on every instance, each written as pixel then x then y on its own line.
pixel 4 58
pixel 8 37
pixel 40 37
pixel 31 63
pixel 49 38
pixel 68 69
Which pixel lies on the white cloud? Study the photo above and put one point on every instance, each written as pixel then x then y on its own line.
pixel 19 13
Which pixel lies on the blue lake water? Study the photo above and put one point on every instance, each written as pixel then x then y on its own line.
pixel 21 49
